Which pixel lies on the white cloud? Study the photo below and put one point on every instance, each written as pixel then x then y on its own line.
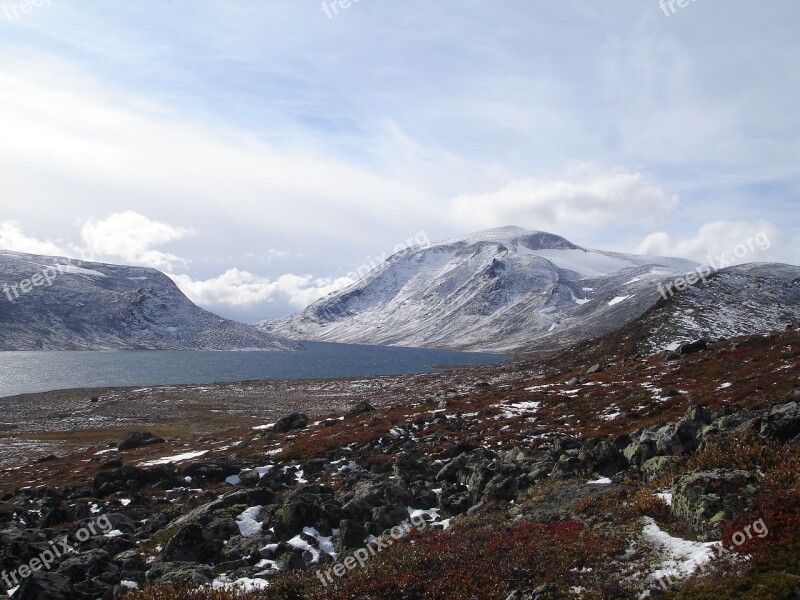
pixel 125 237
pixel 586 197
pixel 737 241
pixel 238 288
pixel 13 238
pixel 132 237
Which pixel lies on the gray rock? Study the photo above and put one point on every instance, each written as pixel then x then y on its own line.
pixel 657 466
pixel 192 543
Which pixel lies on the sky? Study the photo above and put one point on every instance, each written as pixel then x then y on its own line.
pixel 263 154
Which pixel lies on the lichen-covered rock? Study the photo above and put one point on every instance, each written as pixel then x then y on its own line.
pixel 704 500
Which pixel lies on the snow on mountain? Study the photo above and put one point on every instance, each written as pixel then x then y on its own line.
pixel 494 290
pixel 50 303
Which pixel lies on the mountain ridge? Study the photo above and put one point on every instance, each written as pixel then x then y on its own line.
pixel 54 303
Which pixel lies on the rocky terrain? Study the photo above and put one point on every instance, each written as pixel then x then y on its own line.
pixel 599 473
pixel 508 289
pixel 52 303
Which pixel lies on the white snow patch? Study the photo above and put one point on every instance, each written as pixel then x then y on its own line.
pixel 619 299
pixel 681 557
pixel 114 534
pixel 248 525
pixel 73 270
pixel 601 481
pixel 174 459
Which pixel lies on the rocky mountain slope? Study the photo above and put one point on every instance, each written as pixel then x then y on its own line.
pixel 50 303
pixel 508 288
pixel 735 301
pixel 649 477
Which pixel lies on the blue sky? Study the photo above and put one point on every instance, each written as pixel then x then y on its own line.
pixel 260 153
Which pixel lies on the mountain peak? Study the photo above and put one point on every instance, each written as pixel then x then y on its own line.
pixel 511 235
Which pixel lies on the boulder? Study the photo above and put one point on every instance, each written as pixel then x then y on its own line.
pixel 603 458
pixel 192 543
pixel 290 422
pixel 138 439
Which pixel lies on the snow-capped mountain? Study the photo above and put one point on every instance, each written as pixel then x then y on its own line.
pixel 51 303
pixel 494 290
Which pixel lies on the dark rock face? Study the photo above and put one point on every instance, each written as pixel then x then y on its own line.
pixel 290 422
pixel 137 439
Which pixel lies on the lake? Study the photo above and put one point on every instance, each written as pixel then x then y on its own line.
pixel 28 372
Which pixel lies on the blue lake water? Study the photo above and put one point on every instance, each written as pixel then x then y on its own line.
pixel 27 372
